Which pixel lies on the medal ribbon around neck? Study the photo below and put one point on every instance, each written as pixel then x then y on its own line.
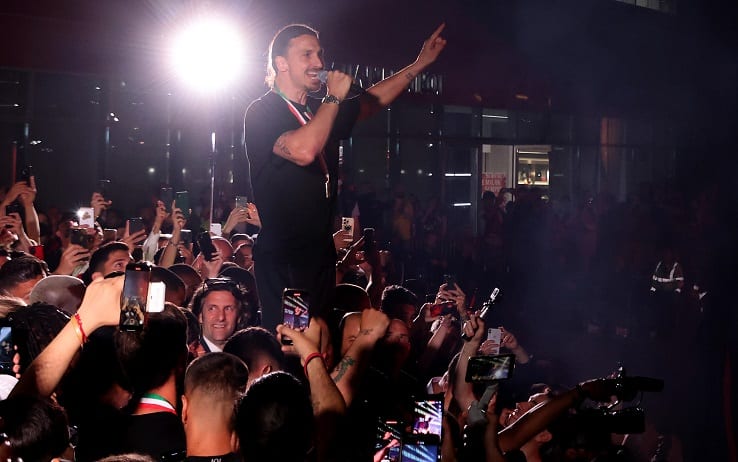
pixel 303 118
pixel 157 403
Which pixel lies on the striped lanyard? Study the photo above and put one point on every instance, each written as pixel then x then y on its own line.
pixel 156 403
pixel 303 118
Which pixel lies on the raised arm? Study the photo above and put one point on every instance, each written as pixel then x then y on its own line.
pixel 26 194
pixel 328 404
pixel 27 198
pixel 348 372
pixel 383 93
pixel 303 145
pixel 539 417
pixel 473 334
pixel 169 255
pixel 151 244
pixel 100 307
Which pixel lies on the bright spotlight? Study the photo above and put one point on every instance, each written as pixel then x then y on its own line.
pixel 208 54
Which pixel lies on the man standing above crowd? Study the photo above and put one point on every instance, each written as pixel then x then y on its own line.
pixel 292 148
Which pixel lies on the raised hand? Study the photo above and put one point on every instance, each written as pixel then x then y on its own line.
pixel 374 323
pixel 432 47
pixel 14 192
pixel 211 269
pixel 338 84
pixel 303 343
pixel 237 215
pixel 72 257
pixel 101 303
pixel 473 329
pixel 132 239
pixel 99 204
pixel 252 217
pixel 13 222
pixel 454 294
pixel 508 339
pixel 161 215
pixel 27 195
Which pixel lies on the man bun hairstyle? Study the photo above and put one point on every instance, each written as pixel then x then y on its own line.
pixel 280 43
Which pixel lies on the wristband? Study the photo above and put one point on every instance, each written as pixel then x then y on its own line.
pixel 79 330
pixel 309 358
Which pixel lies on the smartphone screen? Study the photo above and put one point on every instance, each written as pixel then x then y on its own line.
pixel 14 207
pixel 387 432
pixel 242 202
pixel 490 368
pixel 79 236
pixel 166 195
pixel 393 455
pixel 295 310
pixel 134 296
pixel 185 236
pixel 427 417
pixel 86 216
pixel 110 234
pixel 135 225
pixel 347 226
pixel 182 201
pixel 443 308
pixel 419 451
pixel 7 350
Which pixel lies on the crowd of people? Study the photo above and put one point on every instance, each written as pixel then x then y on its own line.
pixel 404 355
pixel 204 379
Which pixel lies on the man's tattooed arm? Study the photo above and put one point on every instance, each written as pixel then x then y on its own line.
pixel 281 146
pixel 343 367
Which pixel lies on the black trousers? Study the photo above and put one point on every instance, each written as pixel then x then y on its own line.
pixel 316 276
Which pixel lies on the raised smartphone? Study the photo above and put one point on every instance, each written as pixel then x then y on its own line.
pixel 134 297
pixel 295 311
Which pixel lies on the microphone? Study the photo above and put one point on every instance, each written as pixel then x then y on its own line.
pixel 354 91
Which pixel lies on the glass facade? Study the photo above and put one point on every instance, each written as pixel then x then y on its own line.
pixel 82 128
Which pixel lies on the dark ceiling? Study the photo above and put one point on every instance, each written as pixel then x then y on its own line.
pixel 591 56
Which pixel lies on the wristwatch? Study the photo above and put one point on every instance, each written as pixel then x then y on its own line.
pixel 330 99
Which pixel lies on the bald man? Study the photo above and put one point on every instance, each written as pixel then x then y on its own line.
pixel 64 292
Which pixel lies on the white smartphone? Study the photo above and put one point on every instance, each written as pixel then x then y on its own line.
pixel 156 297
pixel 496 336
pixel 347 226
pixel 86 216
pixel 216 228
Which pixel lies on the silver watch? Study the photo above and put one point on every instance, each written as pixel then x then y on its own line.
pixel 330 99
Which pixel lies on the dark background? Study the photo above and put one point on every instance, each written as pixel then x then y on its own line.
pixel 597 58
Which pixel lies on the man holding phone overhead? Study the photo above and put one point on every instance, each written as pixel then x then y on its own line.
pixel 292 148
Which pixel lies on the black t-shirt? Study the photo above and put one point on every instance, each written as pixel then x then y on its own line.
pixel 157 434
pixel 296 217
